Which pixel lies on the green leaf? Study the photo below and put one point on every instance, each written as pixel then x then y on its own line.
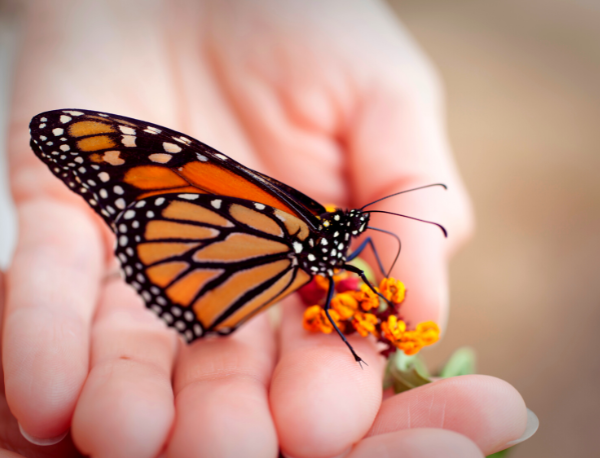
pixel 405 372
pixel 462 362
pixel 501 454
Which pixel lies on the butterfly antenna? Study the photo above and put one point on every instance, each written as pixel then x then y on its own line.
pixel 399 246
pixel 405 191
pixel 443 229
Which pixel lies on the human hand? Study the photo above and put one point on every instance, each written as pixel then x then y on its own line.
pixel 332 99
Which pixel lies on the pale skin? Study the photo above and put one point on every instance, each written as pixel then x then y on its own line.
pixel 330 97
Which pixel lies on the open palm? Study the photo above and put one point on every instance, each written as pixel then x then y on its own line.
pixel 331 98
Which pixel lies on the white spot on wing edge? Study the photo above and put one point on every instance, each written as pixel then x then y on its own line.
pixel 259 206
pixel 171 147
pixel 189 196
pixel 64 119
pixel 58 131
pixel 127 130
pixel 183 140
pixel 129 214
pixel 74 113
pixel 297 247
pixel 216 203
pixel 201 158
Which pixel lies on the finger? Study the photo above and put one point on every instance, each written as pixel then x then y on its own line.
pixel 126 406
pixel 399 137
pixel 52 289
pixel 485 409
pixel 422 266
pixel 222 407
pixel 417 443
pixel 7 454
pixel 10 435
pixel 322 401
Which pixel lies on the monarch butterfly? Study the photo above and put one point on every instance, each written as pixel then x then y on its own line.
pixel 207 242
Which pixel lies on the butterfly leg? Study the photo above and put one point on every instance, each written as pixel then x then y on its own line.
pixel 361 247
pixel 363 277
pixel 357 358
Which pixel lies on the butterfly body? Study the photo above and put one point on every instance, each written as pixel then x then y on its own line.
pixel 207 242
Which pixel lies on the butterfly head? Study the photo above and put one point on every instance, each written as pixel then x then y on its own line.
pixel 329 250
pixel 340 225
pixel 350 223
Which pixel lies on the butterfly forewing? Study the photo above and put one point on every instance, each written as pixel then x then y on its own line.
pixel 206 264
pixel 113 161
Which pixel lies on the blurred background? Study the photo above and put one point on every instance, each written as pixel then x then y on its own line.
pixel 523 101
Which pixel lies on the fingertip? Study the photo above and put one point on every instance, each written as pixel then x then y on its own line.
pixel 533 423
pixel 221 392
pixel 321 399
pixel 125 409
pixel 418 443
pixel 44 377
pixel 51 289
pixel 44 442
pixel 126 406
pixel 489 411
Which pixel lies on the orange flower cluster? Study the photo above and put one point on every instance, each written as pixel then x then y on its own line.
pixel 394 330
pixel 349 309
pixel 361 310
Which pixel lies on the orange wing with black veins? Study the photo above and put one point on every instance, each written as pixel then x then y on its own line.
pixel 112 161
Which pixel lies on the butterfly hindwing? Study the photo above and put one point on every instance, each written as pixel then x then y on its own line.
pixel 113 161
pixel 205 264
